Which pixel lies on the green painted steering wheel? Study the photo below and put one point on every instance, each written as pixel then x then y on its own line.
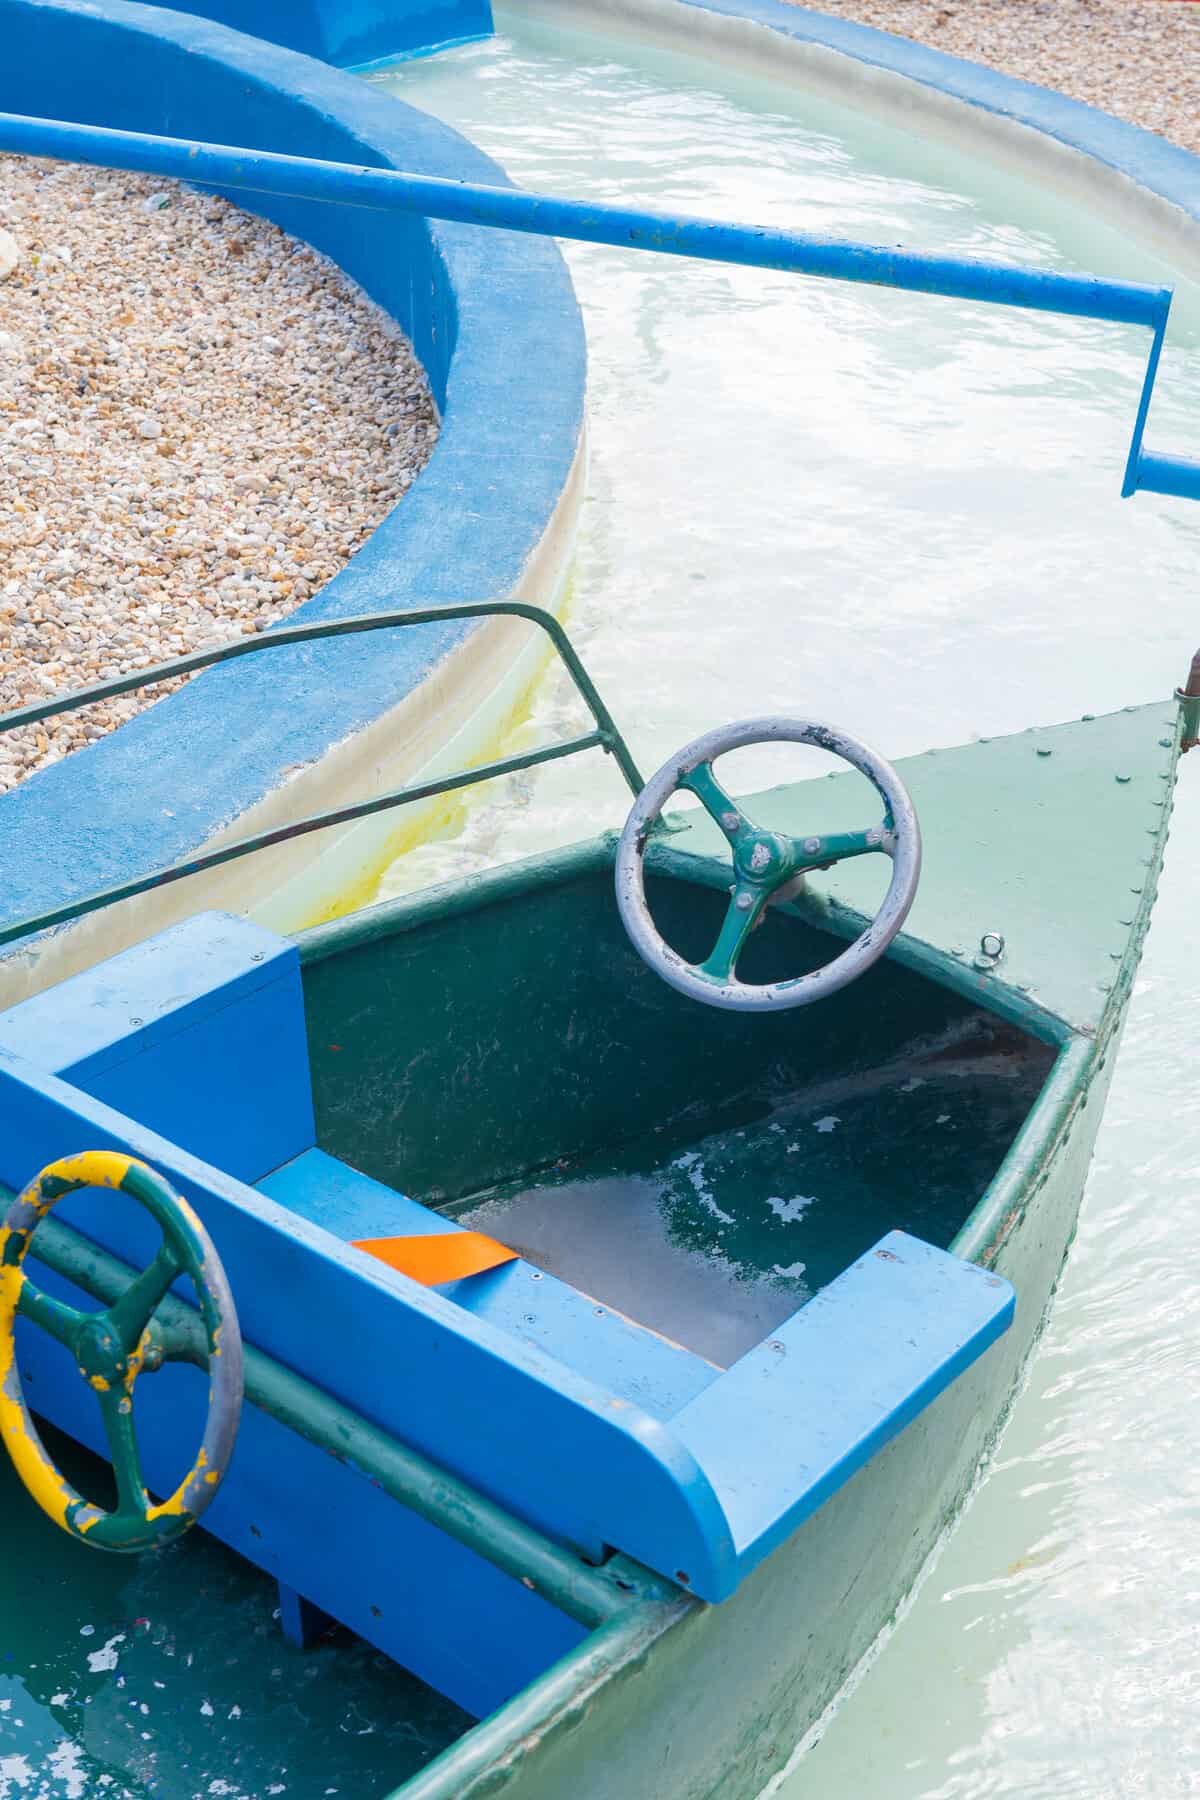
pixel 111 1348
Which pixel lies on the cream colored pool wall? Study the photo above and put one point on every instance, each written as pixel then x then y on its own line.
pixel 1134 181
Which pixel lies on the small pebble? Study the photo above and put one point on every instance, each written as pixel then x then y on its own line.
pixel 190 439
pixel 1137 59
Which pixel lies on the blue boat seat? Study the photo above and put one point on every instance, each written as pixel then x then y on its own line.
pixel 793 1420
pixel 197 1033
pixel 623 1356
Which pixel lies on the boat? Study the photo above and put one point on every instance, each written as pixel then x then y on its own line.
pixel 629 1255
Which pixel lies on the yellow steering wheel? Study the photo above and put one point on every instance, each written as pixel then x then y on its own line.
pixel 111 1348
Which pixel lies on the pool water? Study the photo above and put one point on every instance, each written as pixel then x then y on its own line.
pixel 900 513
pixel 903 514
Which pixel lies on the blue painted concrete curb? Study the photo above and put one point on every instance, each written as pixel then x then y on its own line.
pixel 350 33
pixel 1149 161
pixel 493 317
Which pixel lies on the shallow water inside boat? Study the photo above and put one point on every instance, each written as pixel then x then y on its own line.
pixel 716 1242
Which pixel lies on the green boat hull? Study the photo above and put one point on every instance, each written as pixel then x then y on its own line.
pixel 697 1702
pixel 532 1043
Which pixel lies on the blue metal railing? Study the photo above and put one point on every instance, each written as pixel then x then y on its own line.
pixel 710 240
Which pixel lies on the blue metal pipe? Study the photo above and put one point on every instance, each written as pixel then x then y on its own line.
pixel 1169 475
pixel 510 209
pixel 709 240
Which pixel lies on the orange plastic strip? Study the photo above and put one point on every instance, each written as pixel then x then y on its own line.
pixel 441 1256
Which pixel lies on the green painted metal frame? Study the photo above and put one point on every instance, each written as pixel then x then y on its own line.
pixel 605 737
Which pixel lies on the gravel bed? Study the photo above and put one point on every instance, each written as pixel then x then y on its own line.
pixel 201 419
pixel 1138 59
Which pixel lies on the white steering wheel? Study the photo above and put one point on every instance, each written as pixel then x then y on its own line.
pixel 763 863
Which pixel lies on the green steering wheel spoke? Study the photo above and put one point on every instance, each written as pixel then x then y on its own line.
pixel 839 846
pixel 745 910
pixel 716 802
pixel 131 1313
pixel 65 1323
pixel 116 1410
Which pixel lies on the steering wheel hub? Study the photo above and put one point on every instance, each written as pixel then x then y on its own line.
pixel 764 856
pixel 98 1353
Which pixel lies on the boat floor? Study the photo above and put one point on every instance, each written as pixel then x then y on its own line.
pixel 714 1242
pixel 167 1674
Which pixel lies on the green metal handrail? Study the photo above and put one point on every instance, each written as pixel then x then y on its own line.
pixel 591 1594
pixel 605 737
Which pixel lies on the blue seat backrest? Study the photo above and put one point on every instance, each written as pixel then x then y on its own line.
pixel 198 1034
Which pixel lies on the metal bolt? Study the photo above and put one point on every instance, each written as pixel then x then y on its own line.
pixel 259 956
pixel 1124 778
pixel 811 846
pixel 137 1021
pixel 744 902
pixel 991 945
pixel 1044 752
pixel 730 821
